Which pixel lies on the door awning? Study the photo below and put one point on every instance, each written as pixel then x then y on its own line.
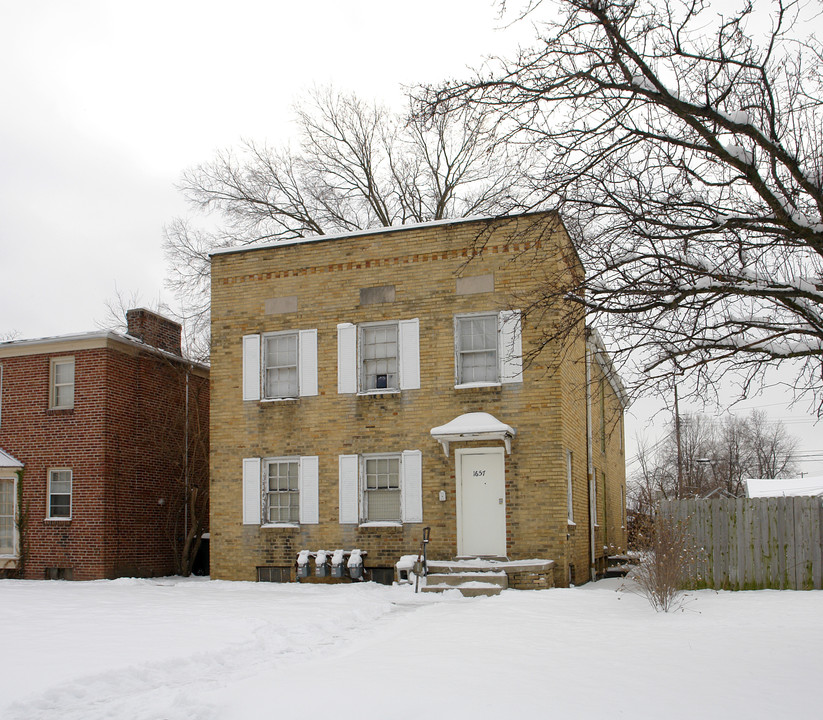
pixel 473 426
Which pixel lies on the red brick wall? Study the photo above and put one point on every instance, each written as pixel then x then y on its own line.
pixel 121 441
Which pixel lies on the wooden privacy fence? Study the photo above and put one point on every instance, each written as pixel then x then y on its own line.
pixel 752 543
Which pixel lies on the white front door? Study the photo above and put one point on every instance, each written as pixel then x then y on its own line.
pixel 481 502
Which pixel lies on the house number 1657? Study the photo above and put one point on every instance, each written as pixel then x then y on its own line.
pixel 478 473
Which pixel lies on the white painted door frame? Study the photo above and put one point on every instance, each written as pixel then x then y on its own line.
pixel 481 527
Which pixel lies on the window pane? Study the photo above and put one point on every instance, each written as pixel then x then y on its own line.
pixel 280 366
pixel 64 373
pixel 477 349
pixel 6 517
pixel 60 506
pixel 283 496
pixel 383 505
pixel 379 357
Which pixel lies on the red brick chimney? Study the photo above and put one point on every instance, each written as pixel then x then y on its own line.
pixel 154 329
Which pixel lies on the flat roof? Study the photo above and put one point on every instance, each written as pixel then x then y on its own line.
pixel 375 231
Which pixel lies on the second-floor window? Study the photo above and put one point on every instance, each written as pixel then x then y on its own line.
pixel 62 383
pixel 280 365
pixel 378 357
pixel 488 348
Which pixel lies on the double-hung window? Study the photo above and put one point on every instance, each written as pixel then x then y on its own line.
pixel 378 357
pixel 62 383
pixel 60 481
pixel 281 496
pixel 280 365
pixel 8 529
pixel 488 348
pixel 280 491
pixel 477 349
pixel 381 488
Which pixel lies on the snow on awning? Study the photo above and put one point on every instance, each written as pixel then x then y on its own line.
pixel 7 461
pixel 473 426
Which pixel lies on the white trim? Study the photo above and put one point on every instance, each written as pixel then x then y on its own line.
pixel 49 493
pixel 347 359
pixel 411 486
pixel 53 363
pixel 348 489
pixel 15 534
pixel 511 346
pixel 307 363
pixel 308 482
pixel 408 352
pixel 458 475
pixel 252 491
pixel 251 367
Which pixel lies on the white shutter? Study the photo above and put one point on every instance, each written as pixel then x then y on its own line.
pixel 252 491
pixel 308 362
pixel 511 347
pixel 349 467
pixel 309 497
pixel 346 358
pixel 251 367
pixel 409 354
pixel 411 487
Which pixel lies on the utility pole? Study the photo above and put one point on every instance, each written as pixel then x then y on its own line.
pixel 677 438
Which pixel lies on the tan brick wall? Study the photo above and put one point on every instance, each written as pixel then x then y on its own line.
pixel 547 410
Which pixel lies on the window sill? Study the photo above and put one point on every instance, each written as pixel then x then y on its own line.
pixel 468 386
pixel 381 524
pixel 57 520
pixel 386 391
pixel 280 526
pixel 572 524
pixel 279 400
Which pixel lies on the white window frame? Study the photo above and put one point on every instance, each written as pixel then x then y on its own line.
pixel 264 365
pixel 351 363
pixel 267 492
pixel 509 349
pixel 51 473
pixel 255 490
pixel 362 330
pixel 15 539
pixel 54 385
pixel 254 365
pixel 569 488
pixel 460 353
pixel 352 489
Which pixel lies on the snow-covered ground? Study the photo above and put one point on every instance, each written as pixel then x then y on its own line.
pixel 173 649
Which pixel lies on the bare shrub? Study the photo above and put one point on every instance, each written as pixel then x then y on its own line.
pixel 663 571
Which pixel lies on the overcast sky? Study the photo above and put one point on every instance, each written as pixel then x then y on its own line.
pixel 105 103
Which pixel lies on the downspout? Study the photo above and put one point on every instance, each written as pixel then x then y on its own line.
pixel 186 460
pixel 589 457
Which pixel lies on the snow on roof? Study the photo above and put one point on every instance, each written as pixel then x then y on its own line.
pixel 473 426
pixel 7 461
pixel 370 231
pixel 784 487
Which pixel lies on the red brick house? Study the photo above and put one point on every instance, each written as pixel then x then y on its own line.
pixel 103 438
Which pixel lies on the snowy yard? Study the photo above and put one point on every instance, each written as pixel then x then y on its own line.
pixel 173 649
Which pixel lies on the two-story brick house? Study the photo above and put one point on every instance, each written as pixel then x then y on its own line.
pixel 367 385
pixel 99 435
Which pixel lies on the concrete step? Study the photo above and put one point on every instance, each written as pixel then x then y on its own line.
pixel 470 589
pixel 455 579
pixel 470 584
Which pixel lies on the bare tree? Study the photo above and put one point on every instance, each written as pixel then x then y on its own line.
pixel 687 149
pixel 356 166
pixel 715 456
